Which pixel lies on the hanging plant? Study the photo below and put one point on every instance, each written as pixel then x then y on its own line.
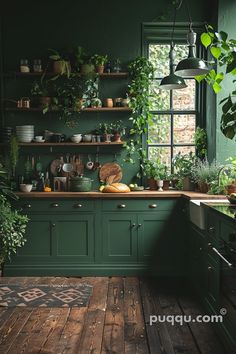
pixel 223 51
pixel 141 73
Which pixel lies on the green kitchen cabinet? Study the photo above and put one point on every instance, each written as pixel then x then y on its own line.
pixel 119 238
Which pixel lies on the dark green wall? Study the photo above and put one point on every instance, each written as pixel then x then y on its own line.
pixel 111 27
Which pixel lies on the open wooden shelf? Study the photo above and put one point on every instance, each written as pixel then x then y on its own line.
pixel 99 109
pixel 114 75
pixel 113 143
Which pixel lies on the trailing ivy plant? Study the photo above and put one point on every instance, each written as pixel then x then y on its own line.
pixel 200 139
pixel 141 72
pixel 223 51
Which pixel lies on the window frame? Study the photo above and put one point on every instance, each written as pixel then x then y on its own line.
pixel 160 33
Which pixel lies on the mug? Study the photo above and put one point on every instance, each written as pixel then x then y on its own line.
pixel 89 165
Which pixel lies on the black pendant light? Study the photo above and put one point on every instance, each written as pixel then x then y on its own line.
pixel 172 81
pixel 191 66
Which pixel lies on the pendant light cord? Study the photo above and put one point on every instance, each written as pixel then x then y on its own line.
pixel 173 30
pixel 189 15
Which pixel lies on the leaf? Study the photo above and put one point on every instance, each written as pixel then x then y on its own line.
pixel 226 107
pixel 206 39
pixel 233 72
pixel 224 99
pixel 199 78
pixel 219 77
pixel 231 66
pixel 223 35
pixel 216 87
pixel 216 52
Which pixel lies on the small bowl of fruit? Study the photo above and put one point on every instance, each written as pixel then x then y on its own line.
pixel 136 188
pixel 231 198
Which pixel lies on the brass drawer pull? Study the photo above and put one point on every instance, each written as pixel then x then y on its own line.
pixel 55 205
pixel 28 206
pixel 133 225
pixel 77 206
pixel 152 206
pixel 53 225
pixel 211 229
pixel 121 206
pixel 139 225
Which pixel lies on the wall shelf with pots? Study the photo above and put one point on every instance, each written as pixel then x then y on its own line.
pixel 119 75
pixel 99 109
pixel 69 144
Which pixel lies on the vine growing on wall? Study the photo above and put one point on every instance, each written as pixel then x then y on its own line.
pixel 141 72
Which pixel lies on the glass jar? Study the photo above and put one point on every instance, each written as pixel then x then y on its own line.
pixel 37 67
pixel 24 66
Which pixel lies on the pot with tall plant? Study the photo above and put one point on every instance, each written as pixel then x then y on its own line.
pixel 205 173
pixel 60 63
pixel 82 61
pixel 106 130
pixel 149 169
pixel 118 130
pixel 12 222
pixel 99 61
pixel 183 165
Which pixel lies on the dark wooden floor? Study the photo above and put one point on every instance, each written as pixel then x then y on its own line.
pixel 116 321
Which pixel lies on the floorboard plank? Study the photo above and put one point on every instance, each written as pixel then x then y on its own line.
pixel 113 334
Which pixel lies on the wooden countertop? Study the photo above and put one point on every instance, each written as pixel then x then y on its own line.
pixel 131 195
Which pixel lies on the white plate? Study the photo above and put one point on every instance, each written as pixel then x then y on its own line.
pixel 38 141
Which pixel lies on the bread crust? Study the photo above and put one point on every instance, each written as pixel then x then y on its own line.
pixel 116 188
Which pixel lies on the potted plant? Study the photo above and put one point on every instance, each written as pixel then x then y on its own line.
pixel 61 64
pixel 12 222
pixel 149 170
pixel 161 172
pixel 40 92
pixel 90 93
pixel 117 66
pixel 205 173
pixel 200 139
pixel 82 62
pixel 106 130
pixel 118 130
pixel 99 62
pixel 183 165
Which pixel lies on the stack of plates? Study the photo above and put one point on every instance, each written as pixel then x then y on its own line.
pixel 25 133
pixel 5 134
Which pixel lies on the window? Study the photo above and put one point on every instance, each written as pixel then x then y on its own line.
pixel 174 112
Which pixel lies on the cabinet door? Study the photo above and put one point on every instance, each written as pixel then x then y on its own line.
pixel 158 242
pixel 119 238
pixel 74 238
pixel 39 236
pixel 212 283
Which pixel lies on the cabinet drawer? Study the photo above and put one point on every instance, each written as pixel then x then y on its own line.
pixel 55 205
pixel 228 232
pixel 138 205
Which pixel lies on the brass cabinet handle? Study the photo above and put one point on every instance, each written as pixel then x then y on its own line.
pixel 53 225
pixel 210 269
pixel 211 229
pixel 55 205
pixel 28 206
pixel 77 205
pixel 133 225
pixel 121 206
pixel 139 225
pixel 152 206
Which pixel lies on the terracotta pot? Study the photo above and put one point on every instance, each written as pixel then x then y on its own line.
pixel 230 188
pixel 188 185
pixel 108 102
pixel 117 137
pixel 166 185
pixel 203 187
pixel 100 69
pixel 152 183
pixel 59 67
pixel 45 101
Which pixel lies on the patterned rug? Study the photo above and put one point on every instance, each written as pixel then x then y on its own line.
pixel 45 295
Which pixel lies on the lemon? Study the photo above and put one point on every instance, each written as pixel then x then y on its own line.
pixel 131 185
pixel 101 188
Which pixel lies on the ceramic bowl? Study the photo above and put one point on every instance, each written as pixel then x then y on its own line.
pixel 76 139
pixel 87 138
pixel 26 188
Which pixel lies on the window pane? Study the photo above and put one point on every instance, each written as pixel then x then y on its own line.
pixel 183 150
pixel 184 128
pixel 184 99
pixel 158 56
pixel 180 52
pixel 160 131
pixel 160 99
pixel 162 154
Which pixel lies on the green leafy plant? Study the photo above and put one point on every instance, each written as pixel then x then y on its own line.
pixel 118 127
pixel 64 63
pixel 141 72
pixel 99 60
pixel 223 51
pixel 183 165
pixel 161 171
pixel 149 168
pixel 206 172
pixel 13 154
pixel 106 128
pixel 200 139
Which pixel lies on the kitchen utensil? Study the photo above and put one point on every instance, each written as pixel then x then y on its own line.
pixel 97 164
pixel 67 167
pixel 80 184
pixel 110 169
pixel 79 165
pixel 39 166
pixel 28 166
pixel 90 163
pixel 54 166
pixel 58 138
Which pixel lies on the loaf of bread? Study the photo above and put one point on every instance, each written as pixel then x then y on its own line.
pixel 116 188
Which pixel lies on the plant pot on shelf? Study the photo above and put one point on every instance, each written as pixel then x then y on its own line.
pixel 160 184
pixel 166 185
pixel 188 185
pixel 152 183
pixel 117 137
pixel 230 188
pixel 61 67
pixel 100 69
pixel 45 101
pixel 107 138
pixel 203 187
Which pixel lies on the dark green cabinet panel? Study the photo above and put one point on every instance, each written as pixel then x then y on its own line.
pixel 119 238
pixel 75 238
pixel 39 238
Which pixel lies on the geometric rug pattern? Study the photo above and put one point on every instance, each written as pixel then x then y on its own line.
pixel 12 295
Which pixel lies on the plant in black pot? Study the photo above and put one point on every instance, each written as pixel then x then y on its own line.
pixel 118 130
pixel 106 130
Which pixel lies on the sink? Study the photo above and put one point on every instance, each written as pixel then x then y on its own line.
pixel 196 210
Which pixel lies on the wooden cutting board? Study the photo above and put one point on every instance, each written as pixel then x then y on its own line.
pixel 110 172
